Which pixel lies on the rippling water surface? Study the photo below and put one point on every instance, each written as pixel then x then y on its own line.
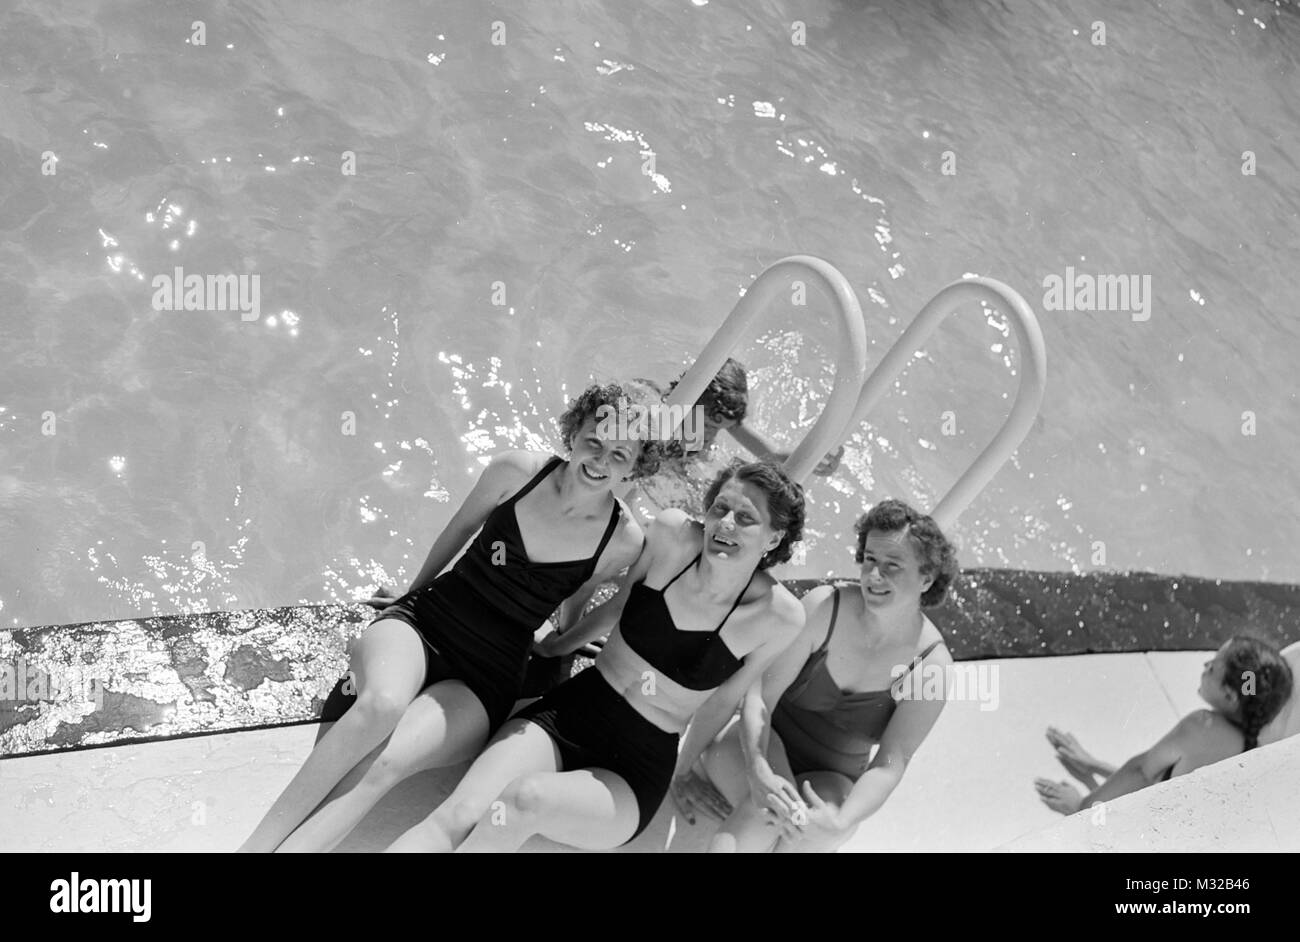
pixel 198 460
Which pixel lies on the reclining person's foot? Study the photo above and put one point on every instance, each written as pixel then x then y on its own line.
pixel 1076 760
pixel 1061 797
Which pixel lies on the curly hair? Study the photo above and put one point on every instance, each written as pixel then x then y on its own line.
pixel 588 405
pixel 726 398
pixel 1271 680
pixel 937 555
pixel 785 503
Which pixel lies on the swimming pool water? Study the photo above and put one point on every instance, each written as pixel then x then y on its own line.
pixel 198 460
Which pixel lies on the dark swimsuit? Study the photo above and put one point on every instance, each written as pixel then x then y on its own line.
pixel 825 728
pixel 477 620
pixel 594 726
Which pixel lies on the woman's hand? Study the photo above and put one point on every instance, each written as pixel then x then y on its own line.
pixel 767 790
pixel 693 793
pixel 382 598
pixel 818 822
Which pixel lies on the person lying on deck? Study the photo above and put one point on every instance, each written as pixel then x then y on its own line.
pixel 1246 684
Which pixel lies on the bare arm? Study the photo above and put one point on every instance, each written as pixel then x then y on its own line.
pixel 758 444
pixel 713 714
pixel 601 620
pixel 597 623
pixel 624 550
pixel 763 447
pixel 499 478
pixel 761 698
pixel 1146 768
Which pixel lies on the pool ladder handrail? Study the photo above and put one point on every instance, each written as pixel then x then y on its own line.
pixel 831 428
pixel 838 414
pixel 1029 394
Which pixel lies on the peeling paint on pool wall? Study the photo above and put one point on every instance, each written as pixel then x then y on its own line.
pixel 1084 292
pixel 963 681
pixel 21 684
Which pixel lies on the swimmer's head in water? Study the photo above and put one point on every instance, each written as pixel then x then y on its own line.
pixel 1248 681
pixel 626 458
pixel 904 554
pixel 755 501
pixel 725 400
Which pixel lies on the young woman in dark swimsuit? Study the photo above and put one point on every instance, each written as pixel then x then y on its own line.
pixel 696 621
pixel 831 699
pixel 1246 684
pixel 441 667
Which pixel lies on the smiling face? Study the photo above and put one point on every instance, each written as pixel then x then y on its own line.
pixel 1216 688
pixel 597 461
pixel 737 524
pixel 891 571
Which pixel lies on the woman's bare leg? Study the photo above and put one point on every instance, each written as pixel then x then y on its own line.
pixel 593 809
pixel 444 725
pixel 389 666
pixel 747 829
pixel 519 748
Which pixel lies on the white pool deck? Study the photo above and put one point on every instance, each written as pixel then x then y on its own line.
pixel 970 788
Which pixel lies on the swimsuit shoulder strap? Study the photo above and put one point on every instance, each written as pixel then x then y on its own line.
pixel 682 573
pixel 919 658
pixel 737 602
pixel 536 479
pixel 926 652
pixel 614 514
pixel 835 613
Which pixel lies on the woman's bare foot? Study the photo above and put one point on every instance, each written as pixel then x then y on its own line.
pixel 1061 797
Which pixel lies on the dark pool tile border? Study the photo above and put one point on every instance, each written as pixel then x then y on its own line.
pixel 265 668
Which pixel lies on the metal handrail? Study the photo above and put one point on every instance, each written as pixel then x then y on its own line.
pixel 1029 396
pixel 850 359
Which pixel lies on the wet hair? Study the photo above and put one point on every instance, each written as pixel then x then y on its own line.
pixel 785 503
pixel 1251 657
pixel 727 396
pixel 937 555
pixel 588 405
